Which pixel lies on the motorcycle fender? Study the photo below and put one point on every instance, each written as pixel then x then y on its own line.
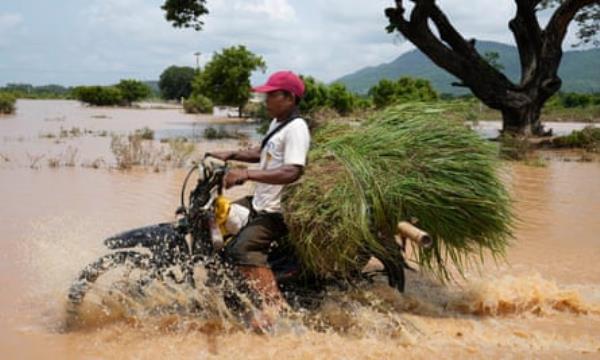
pixel 157 238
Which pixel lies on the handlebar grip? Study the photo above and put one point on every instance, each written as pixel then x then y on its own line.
pixel 414 234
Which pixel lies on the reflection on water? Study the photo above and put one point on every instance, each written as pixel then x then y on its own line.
pixel 491 129
pixel 545 302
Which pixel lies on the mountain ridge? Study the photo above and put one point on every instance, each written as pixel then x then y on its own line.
pixel 579 70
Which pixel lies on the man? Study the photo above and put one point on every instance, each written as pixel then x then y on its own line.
pixel 282 157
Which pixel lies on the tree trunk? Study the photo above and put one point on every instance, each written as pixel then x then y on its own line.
pixel 524 120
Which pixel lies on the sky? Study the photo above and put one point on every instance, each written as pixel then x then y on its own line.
pixel 74 42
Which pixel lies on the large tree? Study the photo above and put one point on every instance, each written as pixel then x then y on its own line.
pixel 176 82
pixel 540 52
pixel 430 30
pixel 226 78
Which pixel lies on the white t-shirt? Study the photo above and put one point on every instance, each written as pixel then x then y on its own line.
pixel 288 147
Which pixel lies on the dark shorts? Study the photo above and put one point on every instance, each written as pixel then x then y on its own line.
pixel 251 246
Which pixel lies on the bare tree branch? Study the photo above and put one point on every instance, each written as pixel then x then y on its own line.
pixel 528 36
pixel 449 34
pixel 557 27
pixel 450 51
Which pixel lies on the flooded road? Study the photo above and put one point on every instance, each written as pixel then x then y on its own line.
pixel 543 302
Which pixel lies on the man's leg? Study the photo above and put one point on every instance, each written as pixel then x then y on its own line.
pixel 262 280
pixel 248 251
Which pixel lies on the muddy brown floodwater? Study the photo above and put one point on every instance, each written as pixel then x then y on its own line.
pixel 543 302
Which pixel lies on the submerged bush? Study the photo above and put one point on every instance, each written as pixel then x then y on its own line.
pixel 181 151
pixel 133 90
pixel 7 103
pixel 132 150
pixel 198 104
pixel 588 138
pixel 98 95
pixel 145 133
pixel 214 134
pixel 514 147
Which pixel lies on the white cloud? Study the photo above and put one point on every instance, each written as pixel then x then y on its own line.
pixel 105 40
pixel 10 20
pixel 9 23
pixel 274 9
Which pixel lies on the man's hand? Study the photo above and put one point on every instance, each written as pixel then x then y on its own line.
pixel 222 155
pixel 235 177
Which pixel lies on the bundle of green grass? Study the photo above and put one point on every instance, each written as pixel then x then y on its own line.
pixel 409 162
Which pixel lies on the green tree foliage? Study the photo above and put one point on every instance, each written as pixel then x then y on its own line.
pixel 405 89
pixel 572 100
pixel 176 82
pixel 340 99
pixel 198 104
pixel 98 95
pixel 587 18
pixel 226 78
pixel 133 90
pixel 316 94
pixel 383 93
pixel 185 13
pixel 7 103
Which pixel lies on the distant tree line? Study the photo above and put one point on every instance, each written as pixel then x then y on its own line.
pixel 575 100
pixel 225 80
pixel 28 91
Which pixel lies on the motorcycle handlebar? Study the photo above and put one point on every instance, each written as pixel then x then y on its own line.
pixel 414 234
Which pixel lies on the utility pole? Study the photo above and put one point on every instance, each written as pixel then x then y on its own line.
pixel 197 54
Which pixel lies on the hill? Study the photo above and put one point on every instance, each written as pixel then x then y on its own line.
pixel 579 70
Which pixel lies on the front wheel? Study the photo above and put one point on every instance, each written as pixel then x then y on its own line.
pixel 122 266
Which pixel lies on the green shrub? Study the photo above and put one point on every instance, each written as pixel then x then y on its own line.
pixel 571 100
pixel 98 95
pixel 340 99
pixel 7 103
pixel 133 90
pixel 316 95
pixel 588 138
pixel 198 104
pixel 145 133
pixel 362 103
pixel 181 151
pixel 405 89
pixel 213 134
pixel 514 147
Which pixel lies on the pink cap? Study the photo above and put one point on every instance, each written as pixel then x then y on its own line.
pixel 282 80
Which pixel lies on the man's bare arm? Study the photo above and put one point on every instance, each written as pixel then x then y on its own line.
pixel 250 155
pixel 282 175
pixel 285 174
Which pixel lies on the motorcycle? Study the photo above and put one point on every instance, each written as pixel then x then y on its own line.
pixel 174 252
